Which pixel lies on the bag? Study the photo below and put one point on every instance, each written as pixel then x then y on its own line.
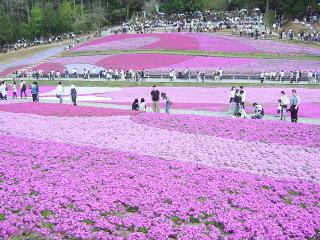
pixel 57 96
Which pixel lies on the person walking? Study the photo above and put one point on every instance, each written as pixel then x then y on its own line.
pixel 60 92
pixel 73 94
pixel 23 88
pixel 168 101
pixel 294 106
pixel 155 95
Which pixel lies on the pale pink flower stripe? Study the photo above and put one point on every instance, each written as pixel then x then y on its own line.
pixel 48 109
pixel 123 44
pixel 270 46
pixel 120 133
pixel 262 65
pixel 59 191
pixel 238 129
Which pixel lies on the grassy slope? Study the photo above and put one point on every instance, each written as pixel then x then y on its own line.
pixel 17 55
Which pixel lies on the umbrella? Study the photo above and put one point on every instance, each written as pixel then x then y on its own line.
pixel 243 10
pixel 256 9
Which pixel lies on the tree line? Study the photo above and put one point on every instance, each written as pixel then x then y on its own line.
pixel 31 19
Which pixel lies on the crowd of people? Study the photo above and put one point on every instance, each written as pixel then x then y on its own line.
pixel 237 105
pixel 313 77
pixel 25 44
pixel 207 21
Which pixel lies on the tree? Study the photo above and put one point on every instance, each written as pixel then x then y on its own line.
pixel 6 28
pixel 36 22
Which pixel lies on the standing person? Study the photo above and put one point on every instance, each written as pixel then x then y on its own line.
pixel 294 106
pixel 291 76
pixel 73 94
pixel 168 101
pixel 237 103
pixel 142 105
pixel 310 77
pixel 155 99
pixel 23 88
pixel 284 102
pixel 281 76
pixel 3 91
pixel 60 92
pixel 14 90
pixel 34 92
pixel 243 96
pixel 232 94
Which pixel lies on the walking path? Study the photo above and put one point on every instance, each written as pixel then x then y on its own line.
pixel 172 111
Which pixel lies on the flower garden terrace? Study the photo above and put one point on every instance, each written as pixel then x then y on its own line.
pixel 159 53
pixel 90 173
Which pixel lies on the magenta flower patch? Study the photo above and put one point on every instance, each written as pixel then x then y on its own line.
pixel 66 191
pixel 63 110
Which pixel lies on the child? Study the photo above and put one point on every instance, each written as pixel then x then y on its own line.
pixel 142 105
pixel 279 107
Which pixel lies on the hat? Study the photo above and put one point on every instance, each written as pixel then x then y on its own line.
pixel 72 86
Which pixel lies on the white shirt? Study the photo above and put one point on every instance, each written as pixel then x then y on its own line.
pixel 284 100
pixel 59 90
pixel 244 96
pixel 142 106
pixel 232 93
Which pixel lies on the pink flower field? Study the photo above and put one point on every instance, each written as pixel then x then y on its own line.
pixel 89 173
pixel 163 63
pixel 193 41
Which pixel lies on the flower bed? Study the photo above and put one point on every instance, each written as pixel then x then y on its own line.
pixel 237 129
pixel 163 63
pixel 65 191
pixel 193 41
pixel 63 110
